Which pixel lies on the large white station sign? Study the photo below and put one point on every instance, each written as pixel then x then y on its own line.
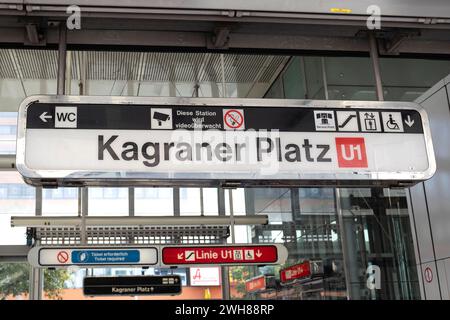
pixel 68 140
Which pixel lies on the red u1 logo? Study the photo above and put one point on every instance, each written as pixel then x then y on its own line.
pixel 351 152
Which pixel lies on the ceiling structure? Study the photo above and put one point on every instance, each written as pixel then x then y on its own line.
pixel 34 71
pixel 245 44
pixel 407 26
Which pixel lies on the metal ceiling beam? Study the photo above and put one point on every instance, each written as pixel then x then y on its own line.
pixel 46 221
pixel 238 41
pixel 412 15
pixel 13 253
pixel 7 162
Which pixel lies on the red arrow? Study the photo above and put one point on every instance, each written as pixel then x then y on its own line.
pixel 258 254
pixel 180 256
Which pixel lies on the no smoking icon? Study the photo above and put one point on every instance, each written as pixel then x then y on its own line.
pixel 233 119
pixel 62 256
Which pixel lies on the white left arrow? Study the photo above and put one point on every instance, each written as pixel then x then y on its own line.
pixel 44 116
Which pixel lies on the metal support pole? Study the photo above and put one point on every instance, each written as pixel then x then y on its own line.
pixel 324 78
pixel 222 65
pixel 226 270
pixel 62 55
pixel 221 201
pixel 131 202
pixel 176 201
pixel 345 245
pixel 303 75
pixel 36 283
pixel 37 274
pixel 232 222
pixel 376 66
pixel 225 283
pixel 202 205
pixel 68 77
pixel 83 204
pixel 38 201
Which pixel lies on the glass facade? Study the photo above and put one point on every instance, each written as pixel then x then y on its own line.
pixel 370 227
pixel 348 231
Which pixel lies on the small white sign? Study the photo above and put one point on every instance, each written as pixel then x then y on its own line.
pixel 92 256
pixel 250 254
pixel 324 120
pixel 347 121
pixel 65 117
pixel 161 118
pixel 238 255
pixel 233 119
pixel 189 255
pixel 370 121
pixel 205 276
pixel 392 121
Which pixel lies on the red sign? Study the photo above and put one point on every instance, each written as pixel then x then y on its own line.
pixel 62 256
pixel 220 255
pixel 256 284
pixel 351 152
pixel 428 275
pixel 298 271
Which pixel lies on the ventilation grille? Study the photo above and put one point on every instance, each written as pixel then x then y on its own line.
pixel 133 235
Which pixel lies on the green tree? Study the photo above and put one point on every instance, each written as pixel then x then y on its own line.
pixel 240 274
pixel 15 280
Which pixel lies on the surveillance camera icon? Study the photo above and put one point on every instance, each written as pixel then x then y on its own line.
pixel 160 117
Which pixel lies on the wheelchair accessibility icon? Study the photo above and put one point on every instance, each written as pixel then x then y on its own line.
pixel 392 124
pixel 392 121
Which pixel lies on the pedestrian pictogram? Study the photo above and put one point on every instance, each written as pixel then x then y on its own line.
pixel 392 121
pixel 233 119
pixel 370 121
pixel 428 274
pixel 62 256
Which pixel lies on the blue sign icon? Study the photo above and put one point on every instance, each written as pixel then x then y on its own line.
pixel 105 256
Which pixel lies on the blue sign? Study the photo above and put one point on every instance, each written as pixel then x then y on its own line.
pixel 105 256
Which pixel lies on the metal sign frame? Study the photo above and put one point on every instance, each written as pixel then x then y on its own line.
pixel 280 258
pixel 133 285
pixel 353 177
pixel 34 255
